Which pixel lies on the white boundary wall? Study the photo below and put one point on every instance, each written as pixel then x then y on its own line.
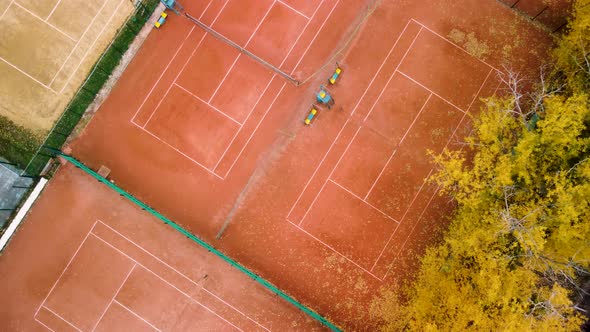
pixel 20 216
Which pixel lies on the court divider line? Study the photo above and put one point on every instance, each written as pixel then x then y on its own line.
pixel 176 271
pixel 208 104
pixel 161 278
pixel 47 327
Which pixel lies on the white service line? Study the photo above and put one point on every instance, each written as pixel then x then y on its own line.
pixel 136 315
pixel 78 42
pixel 108 23
pixel 53 10
pixel 42 20
pixel 64 270
pixel 175 270
pixel 398 145
pixel 60 317
pixel 364 201
pixel 352 113
pixel 116 293
pixel 329 176
pixel 27 75
pixel 164 280
pixel 293 9
pixel 314 37
pixel 334 250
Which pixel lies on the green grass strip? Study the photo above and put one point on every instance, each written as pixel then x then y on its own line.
pixel 98 76
pixel 200 242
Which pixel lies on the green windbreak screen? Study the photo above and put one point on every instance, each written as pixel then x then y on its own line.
pixel 200 242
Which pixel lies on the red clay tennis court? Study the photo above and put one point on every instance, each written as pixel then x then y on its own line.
pixel 331 213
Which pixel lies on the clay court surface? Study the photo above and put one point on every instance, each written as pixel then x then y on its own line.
pixel 46 50
pixel 332 213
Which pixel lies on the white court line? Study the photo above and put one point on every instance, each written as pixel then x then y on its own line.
pixel 47 327
pixel 164 280
pixel 246 120
pixel 27 75
pixel 162 74
pixel 402 220
pixel 64 270
pixel 91 46
pixel 54 8
pixel 448 141
pixel 457 46
pixel 434 93
pixel 398 145
pixel 78 42
pixel 208 104
pixel 245 45
pixel 267 86
pixel 136 315
pixel 116 293
pixel 183 66
pixel 330 175
pixel 353 111
pixel 392 74
pixel 60 317
pixel 334 250
pixel 301 33
pixel 175 270
pixel 5 10
pixel 175 78
pixel 293 9
pixel 362 200
pixel 171 60
pixel 177 150
pixel 408 237
pixel 255 129
pixel 224 77
pixel 42 20
pixel 314 37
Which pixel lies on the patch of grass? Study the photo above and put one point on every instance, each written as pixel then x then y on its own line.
pixel 17 143
pixel 73 113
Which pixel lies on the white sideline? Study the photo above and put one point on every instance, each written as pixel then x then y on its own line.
pixel 22 213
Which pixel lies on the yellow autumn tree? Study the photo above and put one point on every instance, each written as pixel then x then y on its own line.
pixel 517 253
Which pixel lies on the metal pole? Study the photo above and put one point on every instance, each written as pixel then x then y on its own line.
pixel 241 49
pixel 541 12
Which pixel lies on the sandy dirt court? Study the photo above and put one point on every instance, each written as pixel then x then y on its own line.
pixel 332 213
pixel 46 51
